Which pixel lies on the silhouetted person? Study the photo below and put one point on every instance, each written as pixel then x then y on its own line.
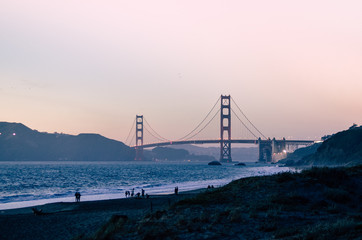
pixel 132 193
pixel 77 196
pixel 143 192
pixel 176 190
pixel 37 211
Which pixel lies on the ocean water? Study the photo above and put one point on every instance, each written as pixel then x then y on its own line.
pixel 32 183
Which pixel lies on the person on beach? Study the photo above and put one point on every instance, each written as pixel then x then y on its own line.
pixel 77 196
pixel 132 193
pixel 176 190
pixel 37 212
pixel 143 193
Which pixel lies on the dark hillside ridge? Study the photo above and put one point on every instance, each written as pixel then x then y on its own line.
pixel 342 148
pixel 20 143
pixel 299 154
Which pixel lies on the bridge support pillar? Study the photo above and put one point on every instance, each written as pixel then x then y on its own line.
pixel 279 149
pixel 265 150
pixel 279 145
pixel 225 129
pixel 139 138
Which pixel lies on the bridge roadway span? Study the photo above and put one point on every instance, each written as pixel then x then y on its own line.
pixel 245 141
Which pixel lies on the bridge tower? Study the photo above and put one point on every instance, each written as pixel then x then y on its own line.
pixel 139 138
pixel 225 129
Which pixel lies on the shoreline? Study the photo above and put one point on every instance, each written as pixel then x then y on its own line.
pixel 89 198
pixel 45 202
pixel 163 190
pixel 67 220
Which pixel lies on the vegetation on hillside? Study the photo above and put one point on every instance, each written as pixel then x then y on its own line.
pixel 319 203
pixel 299 154
pixel 342 148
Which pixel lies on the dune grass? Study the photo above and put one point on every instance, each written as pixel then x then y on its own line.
pixel 317 203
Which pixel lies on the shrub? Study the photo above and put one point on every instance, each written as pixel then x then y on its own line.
pixel 205 217
pixel 330 230
pixel 318 205
pixel 111 227
pixel 235 215
pixel 290 199
pixel 283 232
pixel 284 177
pixel 269 227
pixel 332 177
pixel 158 231
pixel 337 195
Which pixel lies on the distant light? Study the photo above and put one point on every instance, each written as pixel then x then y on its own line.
pixel 14 134
pixel 284 151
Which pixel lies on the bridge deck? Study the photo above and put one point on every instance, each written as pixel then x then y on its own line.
pixel 215 141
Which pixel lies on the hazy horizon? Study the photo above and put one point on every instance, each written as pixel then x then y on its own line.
pixel 90 67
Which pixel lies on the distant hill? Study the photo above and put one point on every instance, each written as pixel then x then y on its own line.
pixel 245 154
pixel 342 148
pixel 20 143
pixel 172 154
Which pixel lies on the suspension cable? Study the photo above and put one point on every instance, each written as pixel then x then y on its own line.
pixel 154 135
pixel 244 124
pixel 204 126
pixel 159 136
pixel 134 134
pixel 183 138
pixel 247 118
pixel 130 130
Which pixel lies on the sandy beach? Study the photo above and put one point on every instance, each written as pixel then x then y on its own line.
pixel 71 220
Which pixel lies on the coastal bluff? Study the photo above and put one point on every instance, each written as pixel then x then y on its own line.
pixel 20 143
pixel 340 149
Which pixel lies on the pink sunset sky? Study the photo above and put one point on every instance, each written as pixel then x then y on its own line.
pixel 294 67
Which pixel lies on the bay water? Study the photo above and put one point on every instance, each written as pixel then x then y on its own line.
pixel 25 184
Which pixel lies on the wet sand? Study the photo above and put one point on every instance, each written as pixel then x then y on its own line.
pixel 70 220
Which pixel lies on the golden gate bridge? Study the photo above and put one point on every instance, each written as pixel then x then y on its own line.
pixel 267 146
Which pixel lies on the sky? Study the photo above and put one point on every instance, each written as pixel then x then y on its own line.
pixel 294 67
